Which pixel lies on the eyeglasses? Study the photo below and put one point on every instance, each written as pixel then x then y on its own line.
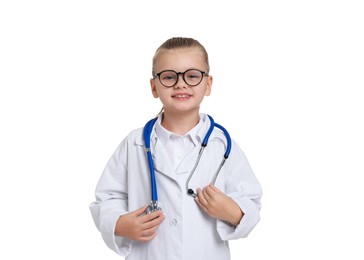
pixel 191 77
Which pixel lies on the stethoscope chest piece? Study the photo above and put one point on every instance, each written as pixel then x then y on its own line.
pixel 153 206
pixel 191 193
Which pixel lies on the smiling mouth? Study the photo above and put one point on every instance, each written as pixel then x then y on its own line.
pixel 181 96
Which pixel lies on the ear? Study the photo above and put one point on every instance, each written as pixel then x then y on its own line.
pixel 208 86
pixel 153 88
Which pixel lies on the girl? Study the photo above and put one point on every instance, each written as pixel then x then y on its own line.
pixel 184 226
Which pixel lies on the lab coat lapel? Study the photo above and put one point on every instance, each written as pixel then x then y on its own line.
pixel 161 161
pixel 164 166
pixel 188 162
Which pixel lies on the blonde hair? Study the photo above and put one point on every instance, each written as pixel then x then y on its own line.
pixel 181 42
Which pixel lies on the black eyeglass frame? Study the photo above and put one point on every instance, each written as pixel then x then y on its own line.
pixel 203 74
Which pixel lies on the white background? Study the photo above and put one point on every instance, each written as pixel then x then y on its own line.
pixel 288 80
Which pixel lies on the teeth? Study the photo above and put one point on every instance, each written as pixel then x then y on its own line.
pixel 181 96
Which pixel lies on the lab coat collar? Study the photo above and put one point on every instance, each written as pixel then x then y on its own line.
pixel 197 133
pixel 164 135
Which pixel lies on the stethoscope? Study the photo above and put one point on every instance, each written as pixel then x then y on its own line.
pixel 147 131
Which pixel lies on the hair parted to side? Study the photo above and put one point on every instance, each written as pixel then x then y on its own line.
pixel 181 42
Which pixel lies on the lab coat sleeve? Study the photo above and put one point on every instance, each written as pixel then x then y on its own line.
pixel 243 187
pixel 112 201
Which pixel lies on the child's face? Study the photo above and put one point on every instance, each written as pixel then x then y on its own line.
pixel 181 97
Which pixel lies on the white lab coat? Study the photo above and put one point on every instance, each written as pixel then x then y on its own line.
pixel 187 232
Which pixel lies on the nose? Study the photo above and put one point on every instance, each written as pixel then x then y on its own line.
pixel 180 81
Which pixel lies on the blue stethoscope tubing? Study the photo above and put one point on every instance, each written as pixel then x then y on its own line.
pixel 147 131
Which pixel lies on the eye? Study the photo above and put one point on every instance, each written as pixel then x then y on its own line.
pixel 168 76
pixel 193 74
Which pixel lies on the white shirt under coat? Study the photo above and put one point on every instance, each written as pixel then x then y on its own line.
pixel 187 232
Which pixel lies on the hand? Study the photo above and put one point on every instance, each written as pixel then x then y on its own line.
pixel 217 205
pixel 139 227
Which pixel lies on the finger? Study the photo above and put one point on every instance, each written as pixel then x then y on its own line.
pixel 201 197
pixel 146 238
pixel 139 211
pixel 200 204
pixel 153 223
pixel 150 231
pixel 214 188
pixel 210 192
pixel 150 228
pixel 206 192
pixel 153 215
pixel 198 191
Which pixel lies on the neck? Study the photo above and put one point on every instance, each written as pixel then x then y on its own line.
pixel 180 124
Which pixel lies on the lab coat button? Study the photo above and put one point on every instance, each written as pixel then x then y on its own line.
pixel 173 222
